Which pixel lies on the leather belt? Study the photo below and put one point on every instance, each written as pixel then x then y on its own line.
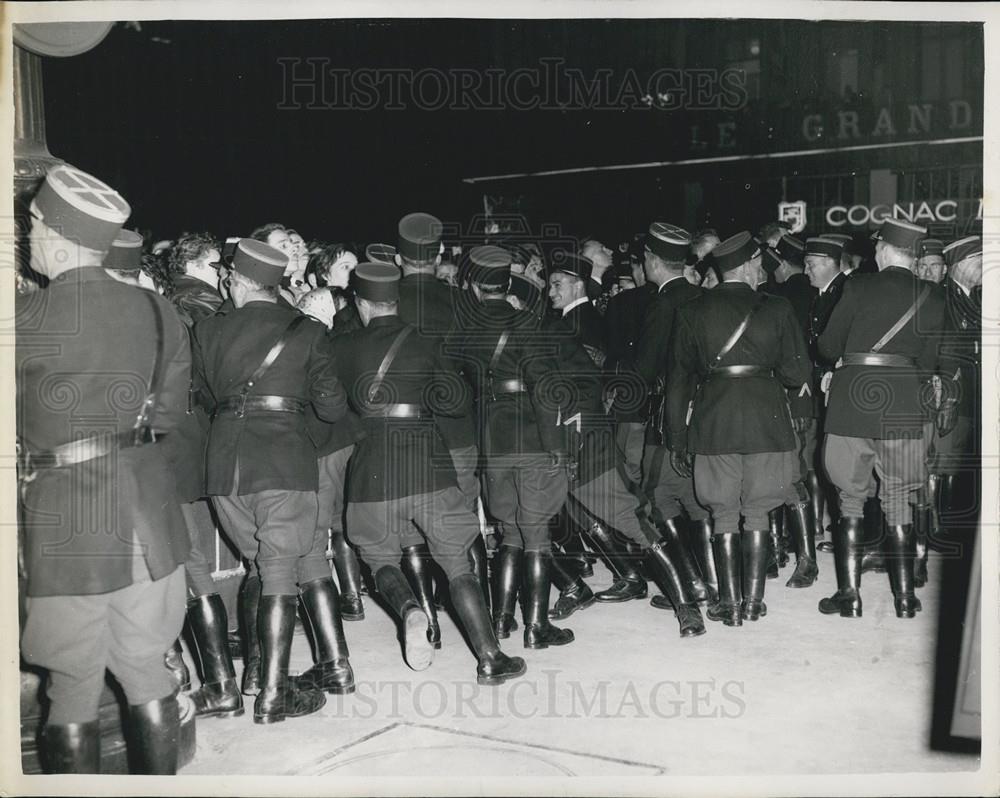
pixel 87 449
pixel 507 387
pixel 394 411
pixel 869 359
pixel 249 404
pixel 742 371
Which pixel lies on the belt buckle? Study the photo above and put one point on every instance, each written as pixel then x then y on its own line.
pixel 241 409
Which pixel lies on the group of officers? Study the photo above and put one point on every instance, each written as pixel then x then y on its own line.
pixel 673 427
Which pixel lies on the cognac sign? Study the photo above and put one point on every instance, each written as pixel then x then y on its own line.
pixel 928 211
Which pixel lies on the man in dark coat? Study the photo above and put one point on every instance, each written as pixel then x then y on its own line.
pixel 103 370
pixel 260 364
pixel 885 335
pixel 195 259
pixel 402 478
pixel 734 353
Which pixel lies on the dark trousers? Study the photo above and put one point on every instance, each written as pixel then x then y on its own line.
pixel 670 493
pixel 524 492
pixel 332 476
pixel 608 499
pixel 201 559
pixel 750 485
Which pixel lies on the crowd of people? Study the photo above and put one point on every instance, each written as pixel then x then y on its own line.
pixel 469 423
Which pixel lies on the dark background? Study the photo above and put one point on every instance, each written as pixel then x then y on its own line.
pixel 184 118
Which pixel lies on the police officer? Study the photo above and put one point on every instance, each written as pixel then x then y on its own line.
pixel 885 334
pixel 508 364
pixel 399 480
pixel 103 371
pixel 260 365
pixel 734 350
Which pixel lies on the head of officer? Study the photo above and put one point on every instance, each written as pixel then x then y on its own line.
pixel 568 277
pixel 739 259
pixel 418 245
pixel 897 243
pixel 376 290
pixel 930 264
pixel 965 262
pixel 489 272
pixel 75 218
pixel 822 259
pixel 665 254
pixel 791 253
pixel 256 272
pixel 849 259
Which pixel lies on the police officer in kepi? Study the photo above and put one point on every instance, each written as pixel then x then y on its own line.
pixel 103 370
pixel 260 364
pixel 508 364
pixel 400 481
pixel 885 336
pixel 735 351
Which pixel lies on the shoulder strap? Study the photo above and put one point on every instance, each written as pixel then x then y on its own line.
pixel 737 333
pixel 272 355
pixel 390 355
pixel 903 320
pixel 145 418
pixel 501 343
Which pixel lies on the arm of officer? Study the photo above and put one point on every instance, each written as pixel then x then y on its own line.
pixel 794 367
pixel 448 393
pixel 682 374
pixel 652 344
pixel 329 399
pixel 172 398
pixel 547 392
pixel 833 340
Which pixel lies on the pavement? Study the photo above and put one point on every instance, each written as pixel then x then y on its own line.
pixel 794 693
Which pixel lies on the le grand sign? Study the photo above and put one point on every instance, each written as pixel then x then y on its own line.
pixel 851 126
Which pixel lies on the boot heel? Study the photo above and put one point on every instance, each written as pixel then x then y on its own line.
pixel 418 648
pixel 265 720
pixel 850 612
pixel 234 713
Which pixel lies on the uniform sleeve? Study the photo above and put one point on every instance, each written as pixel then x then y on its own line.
pixel 933 357
pixel 650 350
pixel 794 367
pixel 682 376
pixel 449 395
pixel 172 398
pixel 325 389
pixel 541 372
pixel 833 340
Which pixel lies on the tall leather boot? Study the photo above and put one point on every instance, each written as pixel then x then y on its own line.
pixel 72 747
pixel 416 565
pixel 728 561
pixel 574 593
pixel 818 500
pixel 873 558
pixel 571 542
pixel 395 589
pixel 538 632
pixel 481 568
pixel 628 584
pixel 800 523
pixel 249 604
pixel 634 553
pixel 332 672
pixel 669 578
pixel 179 673
pixel 934 503
pixel 494 666
pixel 754 552
pixel 279 697
pixel 701 545
pixel 508 582
pixel 155 731
pixel 941 507
pixel 848 541
pixel 348 568
pixel 776 530
pixel 922 520
pixel 675 535
pixel 219 696
pixel 901 545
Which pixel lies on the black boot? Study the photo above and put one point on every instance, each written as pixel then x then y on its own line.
pixel 701 545
pixel 818 500
pixel 481 568
pixel 395 589
pixel 279 697
pixel 538 632
pixel 332 672
pixel 508 581
pixel 776 530
pixel 800 523
pixel 922 520
pixel 728 561
pixel 574 593
pixel 179 673
pixel 155 730
pixel 848 541
pixel 754 552
pixel 628 584
pixel 249 604
pixel 494 667
pixel 345 561
pixel 72 747
pixel 219 696
pixel 569 538
pixel 675 535
pixel 416 565
pixel 901 546
pixel 670 580
pixel 873 558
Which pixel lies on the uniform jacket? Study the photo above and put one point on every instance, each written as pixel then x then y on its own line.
pixel 400 457
pixel 85 348
pixel 873 402
pixel 428 304
pixel 329 438
pixel 623 322
pixel 519 423
pixel 800 293
pixel 745 415
pixel 274 450
pixel 194 299
pixel 820 312
pixel 961 352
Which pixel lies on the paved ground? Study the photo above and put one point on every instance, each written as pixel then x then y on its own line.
pixel 795 693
